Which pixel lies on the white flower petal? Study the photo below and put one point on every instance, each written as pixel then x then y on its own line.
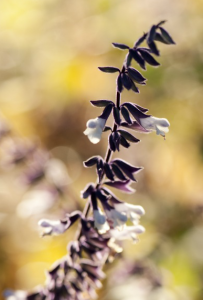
pixel 160 130
pixel 95 135
pixel 52 226
pixel 103 228
pixel 100 221
pixel 101 122
pixel 134 218
pixel 126 207
pixel 118 218
pixel 94 129
pixel 15 295
pixel 99 217
pixel 160 125
pixel 128 232
pixel 92 123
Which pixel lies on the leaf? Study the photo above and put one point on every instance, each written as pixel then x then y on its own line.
pixel 121 185
pixel 120 46
pixel 116 138
pixel 141 108
pixel 100 166
pixel 160 23
pixel 91 161
pixel 135 75
pixel 140 40
pixel 108 172
pixel 109 69
pixel 128 174
pixel 119 84
pixel 134 88
pixel 116 114
pixel 128 59
pixel 112 145
pixel 74 216
pixel 135 126
pixel 166 36
pixel 128 136
pixel 87 191
pixel 123 164
pixel 151 34
pixel 118 172
pixel 138 58
pixel 153 48
pixel 92 269
pixel 106 128
pixel 135 111
pixel 107 111
pixel 123 142
pixel 126 115
pixel 127 168
pixel 101 196
pixel 101 103
pixel 126 81
pixel 159 38
pixel 149 58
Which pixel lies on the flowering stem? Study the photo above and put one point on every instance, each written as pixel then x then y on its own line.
pixel 85 213
pixel 72 277
pixel 109 152
pixel 107 158
pixel 118 99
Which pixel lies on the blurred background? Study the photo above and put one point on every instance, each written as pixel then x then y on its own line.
pixel 49 54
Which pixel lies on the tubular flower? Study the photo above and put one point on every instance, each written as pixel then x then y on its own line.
pixel 160 125
pixel 118 218
pixel 100 221
pixel 94 129
pixel 15 295
pixel 128 232
pixel 53 226
pixel 133 212
pixel 58 226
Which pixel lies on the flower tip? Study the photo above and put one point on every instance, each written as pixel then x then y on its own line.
pixel 140 210
pixel 94 140
pixel 140 229
pixel 43 223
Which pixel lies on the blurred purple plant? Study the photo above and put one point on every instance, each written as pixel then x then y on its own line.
pixel 44 177
pixel 103 221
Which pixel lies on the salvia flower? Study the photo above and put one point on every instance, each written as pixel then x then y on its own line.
pixel 74 277
pixel 128 232
pixel 56 227
pixel 144 122
pixel 94 129
pixel 96 126
pixel 117 218
pixel 160 125
pixel 53 226
pixel 15 295
pixel 133 212
pixel 100 221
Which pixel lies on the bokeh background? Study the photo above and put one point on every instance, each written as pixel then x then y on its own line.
pixel 49 54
